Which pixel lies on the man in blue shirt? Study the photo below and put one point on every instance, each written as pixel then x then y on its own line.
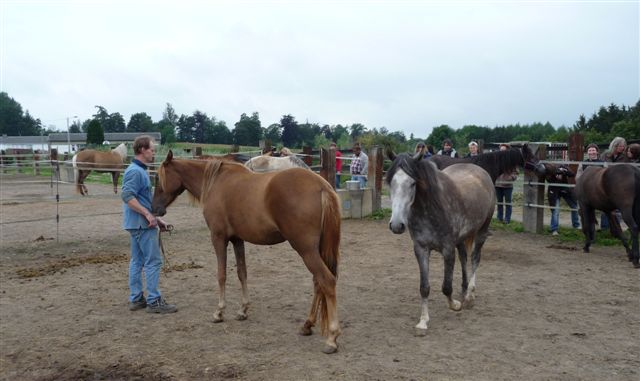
pixel 143 228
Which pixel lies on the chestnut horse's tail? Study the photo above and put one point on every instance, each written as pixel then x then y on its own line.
pixel 329 247
pixel 76 174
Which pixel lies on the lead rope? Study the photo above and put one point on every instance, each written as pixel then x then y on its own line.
pixel 167 266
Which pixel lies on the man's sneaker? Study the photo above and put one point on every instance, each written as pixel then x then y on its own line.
pixel 160 306
pixel 554 233
pixel 137 304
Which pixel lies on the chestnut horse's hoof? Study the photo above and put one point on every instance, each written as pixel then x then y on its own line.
pixel 419 332
pixel 329 349
pixel 306 331
pixel 241 317
pixel 218 319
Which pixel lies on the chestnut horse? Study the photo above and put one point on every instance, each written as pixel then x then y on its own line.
pixel 607 189
pixel 240 205
pixel 86 161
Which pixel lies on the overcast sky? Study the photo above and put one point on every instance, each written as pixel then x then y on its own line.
pixel 404 65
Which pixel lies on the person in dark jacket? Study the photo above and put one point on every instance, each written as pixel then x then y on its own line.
pixel 560 175
pixel 447 149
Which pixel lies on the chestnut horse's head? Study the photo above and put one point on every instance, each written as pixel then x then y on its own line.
pixel 168 185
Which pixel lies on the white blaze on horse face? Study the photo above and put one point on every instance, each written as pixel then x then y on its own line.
pixel 403 192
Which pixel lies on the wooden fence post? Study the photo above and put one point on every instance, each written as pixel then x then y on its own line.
pixel 308 160
pixel 374 175
pixel 3 161
pixel 54 167
pixel 576 152
pixel 36 165
pixel 533 216
pixel 197 152
pixel 328 165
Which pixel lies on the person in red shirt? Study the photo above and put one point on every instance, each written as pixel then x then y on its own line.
pixel 338 163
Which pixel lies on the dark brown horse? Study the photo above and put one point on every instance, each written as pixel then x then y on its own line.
pixel 240 205
pixel 91 160
pixel 607 189
pixel 497 162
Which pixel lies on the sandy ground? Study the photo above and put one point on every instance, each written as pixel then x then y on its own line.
pixel 544 310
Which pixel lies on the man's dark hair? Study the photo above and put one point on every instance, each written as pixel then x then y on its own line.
pixel 142 141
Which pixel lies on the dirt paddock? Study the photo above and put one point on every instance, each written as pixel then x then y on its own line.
pixel 544 310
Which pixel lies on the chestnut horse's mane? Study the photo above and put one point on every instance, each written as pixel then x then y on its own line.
pixel 211 169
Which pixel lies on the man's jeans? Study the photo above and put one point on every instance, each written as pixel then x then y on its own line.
pixel 362 179
pixel 145 255
pixel 503 195
pixel 555 214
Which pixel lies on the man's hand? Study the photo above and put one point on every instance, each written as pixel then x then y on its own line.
pixel 163 225
pixel 151 219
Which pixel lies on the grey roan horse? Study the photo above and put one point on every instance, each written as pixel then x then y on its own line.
pixel 444 210
pixel 608 189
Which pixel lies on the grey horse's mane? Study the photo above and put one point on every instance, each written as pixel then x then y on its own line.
pixel 298 162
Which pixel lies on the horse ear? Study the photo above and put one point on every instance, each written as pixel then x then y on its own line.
pixel 418 155
pixel 169 157
pixel 391 155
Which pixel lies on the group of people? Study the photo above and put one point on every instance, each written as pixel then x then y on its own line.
pixel 358 167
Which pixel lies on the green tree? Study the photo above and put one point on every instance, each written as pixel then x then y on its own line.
pixel 439 134
pixel 75 127
pixel 273 133
pixel 167 132
pixel 95 133
pixel 169 114
pixel 201 123
pixel 290 131
pixel 167 125
pixel 357 129
pixel 307 134
pixel 218 133
pixel 109 122
pixel 338 131
pixel 15 122
pixel 186 126
pixel 140 122
pixel 248 130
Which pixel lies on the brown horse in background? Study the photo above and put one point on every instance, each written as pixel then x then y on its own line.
pixel 91 160
pixel 240 205
pixel 608 189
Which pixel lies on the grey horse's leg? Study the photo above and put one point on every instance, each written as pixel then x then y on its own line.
pixel 449 256
pixel 422 254
pixel 480 239
pixel 462 256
